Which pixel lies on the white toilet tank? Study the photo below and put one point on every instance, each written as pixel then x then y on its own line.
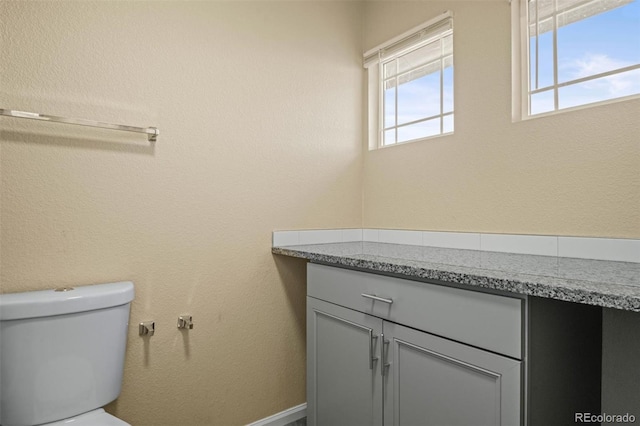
pixel 61 352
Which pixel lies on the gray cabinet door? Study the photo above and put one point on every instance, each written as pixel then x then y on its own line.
pixel 344 384
pixel 434 381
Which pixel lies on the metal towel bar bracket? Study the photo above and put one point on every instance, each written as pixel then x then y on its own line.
pixel 151 132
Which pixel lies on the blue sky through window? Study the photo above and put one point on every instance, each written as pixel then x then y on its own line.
pixel 419 99
pixel 599 43
pixel 418 91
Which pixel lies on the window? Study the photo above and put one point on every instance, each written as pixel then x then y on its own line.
pixel 574 53
pixel 411 85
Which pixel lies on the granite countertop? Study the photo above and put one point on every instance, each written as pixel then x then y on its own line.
pixel 595 282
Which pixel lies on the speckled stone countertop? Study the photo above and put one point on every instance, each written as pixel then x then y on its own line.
pixel 595 282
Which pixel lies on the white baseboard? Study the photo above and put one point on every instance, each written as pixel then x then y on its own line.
pixel 284 417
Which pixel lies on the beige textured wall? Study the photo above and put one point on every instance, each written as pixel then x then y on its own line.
pixel 575 173
pixel 259 108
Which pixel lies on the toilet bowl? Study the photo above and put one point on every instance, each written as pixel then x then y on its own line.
pixel 62 354
pixel 93 418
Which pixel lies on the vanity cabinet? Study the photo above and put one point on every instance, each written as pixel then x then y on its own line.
pixel 434 381
pixel 374 358
pixel 383 350
pixel 344 384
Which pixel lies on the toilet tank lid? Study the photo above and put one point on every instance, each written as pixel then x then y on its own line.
pixel 33 304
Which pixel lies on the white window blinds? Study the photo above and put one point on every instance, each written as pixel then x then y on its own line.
pixel 421 34
pixel 542 12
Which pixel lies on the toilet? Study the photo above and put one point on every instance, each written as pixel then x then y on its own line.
pixel 62 354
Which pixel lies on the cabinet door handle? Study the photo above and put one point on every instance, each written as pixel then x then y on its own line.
pixel 378 298
pixel 372 357
pixel 384 348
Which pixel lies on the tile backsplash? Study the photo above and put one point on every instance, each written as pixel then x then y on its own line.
pixel 615 249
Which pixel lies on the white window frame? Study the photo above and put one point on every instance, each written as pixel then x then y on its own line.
pixel 520 68
pixel 396 47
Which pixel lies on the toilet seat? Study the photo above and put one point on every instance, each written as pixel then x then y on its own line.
pixel 93 418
